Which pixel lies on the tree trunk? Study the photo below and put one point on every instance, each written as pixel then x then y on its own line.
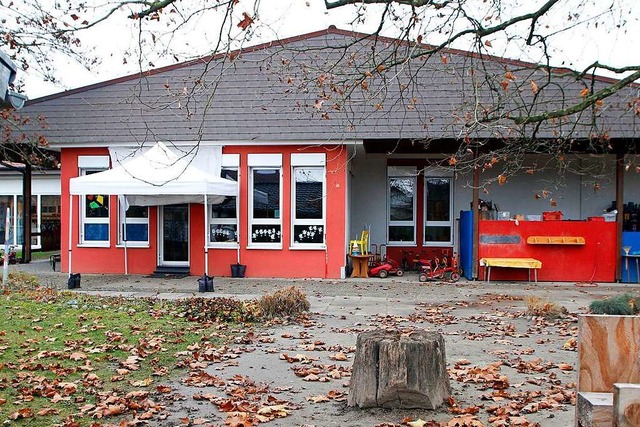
pixel 395 371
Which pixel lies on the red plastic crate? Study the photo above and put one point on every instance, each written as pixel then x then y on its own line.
pixel 552 216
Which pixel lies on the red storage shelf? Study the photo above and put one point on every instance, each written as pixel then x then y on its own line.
pixel 590 258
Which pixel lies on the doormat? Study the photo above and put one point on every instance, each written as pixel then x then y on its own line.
pixel 167 276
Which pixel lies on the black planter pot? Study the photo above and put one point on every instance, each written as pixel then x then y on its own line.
pixel 74 281
pixel 238 270
pixel 205 284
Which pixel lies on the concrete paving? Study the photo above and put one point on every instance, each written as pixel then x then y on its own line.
pixel 393 295
pixel 481 322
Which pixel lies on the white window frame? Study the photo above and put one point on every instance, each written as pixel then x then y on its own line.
pixel 315 161
pixel 229 162
pixel 402 172
pixel 256 162
pixel 13 219
pixel 121 231
pixel 93 164
pixel 36 241
pixel 449 223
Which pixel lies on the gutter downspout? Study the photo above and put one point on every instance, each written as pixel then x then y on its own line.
pixel 475 212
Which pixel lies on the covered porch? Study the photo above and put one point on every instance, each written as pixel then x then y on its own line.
pixel 416 203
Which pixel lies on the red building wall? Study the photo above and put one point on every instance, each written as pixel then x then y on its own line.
pixel 285 262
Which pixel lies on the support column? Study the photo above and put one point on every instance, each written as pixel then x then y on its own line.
pixel 26 214
pixel 620 208
pixel 475 212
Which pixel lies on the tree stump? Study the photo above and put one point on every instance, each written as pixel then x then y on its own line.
pixel 395 371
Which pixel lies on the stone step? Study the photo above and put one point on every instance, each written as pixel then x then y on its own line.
pixel 164 271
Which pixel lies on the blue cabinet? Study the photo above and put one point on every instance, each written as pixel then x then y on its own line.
pixel 466 243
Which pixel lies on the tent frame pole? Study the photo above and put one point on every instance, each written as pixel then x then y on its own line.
pixel 238 219
pixel 69 249
pixel 206 234
pixel 124 236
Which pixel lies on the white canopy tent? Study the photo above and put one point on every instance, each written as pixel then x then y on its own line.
pixel 157 176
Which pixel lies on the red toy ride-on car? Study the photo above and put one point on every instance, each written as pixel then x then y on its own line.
pixel 386 267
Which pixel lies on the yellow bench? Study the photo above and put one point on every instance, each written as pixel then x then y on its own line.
pixel 529 263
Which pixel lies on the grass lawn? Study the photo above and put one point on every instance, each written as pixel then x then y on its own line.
pixel 70 359
pixel 35 256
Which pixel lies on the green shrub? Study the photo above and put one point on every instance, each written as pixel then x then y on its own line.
pixel 621 305
pixel 284 302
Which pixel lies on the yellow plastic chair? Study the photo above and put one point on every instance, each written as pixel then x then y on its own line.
pixel 363 243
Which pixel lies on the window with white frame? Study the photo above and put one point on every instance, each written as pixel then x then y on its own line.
pixel 401 199
pixel 265 200
pixel 438 227
pixel 135 229
pixel 223 219
pixel 94 208
pixel 308 200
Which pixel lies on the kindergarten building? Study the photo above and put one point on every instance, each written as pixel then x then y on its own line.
pixel 263 159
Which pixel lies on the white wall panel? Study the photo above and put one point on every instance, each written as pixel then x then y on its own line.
pixel 40 184
pixel 368 195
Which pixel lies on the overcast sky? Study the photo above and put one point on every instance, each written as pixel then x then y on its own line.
pixel 575 48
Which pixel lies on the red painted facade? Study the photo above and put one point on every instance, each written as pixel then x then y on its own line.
pixel 285 262
pixel 593 261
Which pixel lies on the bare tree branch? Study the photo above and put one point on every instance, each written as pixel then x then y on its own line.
pixel 151 8
pixel 414 3
pixel 581 106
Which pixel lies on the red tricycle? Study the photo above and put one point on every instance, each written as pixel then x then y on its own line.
pixel 440 268
pixel 11 258
pixel 385 267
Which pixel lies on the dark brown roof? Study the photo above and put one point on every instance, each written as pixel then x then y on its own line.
pixel 303 89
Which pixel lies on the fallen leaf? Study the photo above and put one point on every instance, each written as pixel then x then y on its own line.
pixel 339 356
pixel 77 355
pixel 141 383
pixel 48 411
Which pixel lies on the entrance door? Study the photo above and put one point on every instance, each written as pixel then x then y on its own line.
pixel 174 235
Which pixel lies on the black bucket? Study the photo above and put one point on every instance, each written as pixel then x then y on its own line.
pixel 205 284
pixel 74 281
pixel 238 270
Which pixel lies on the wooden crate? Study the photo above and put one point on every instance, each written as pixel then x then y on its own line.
pixel 608 352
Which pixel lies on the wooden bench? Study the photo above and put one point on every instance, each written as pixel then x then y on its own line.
pixel 528 263
pixel 53 259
